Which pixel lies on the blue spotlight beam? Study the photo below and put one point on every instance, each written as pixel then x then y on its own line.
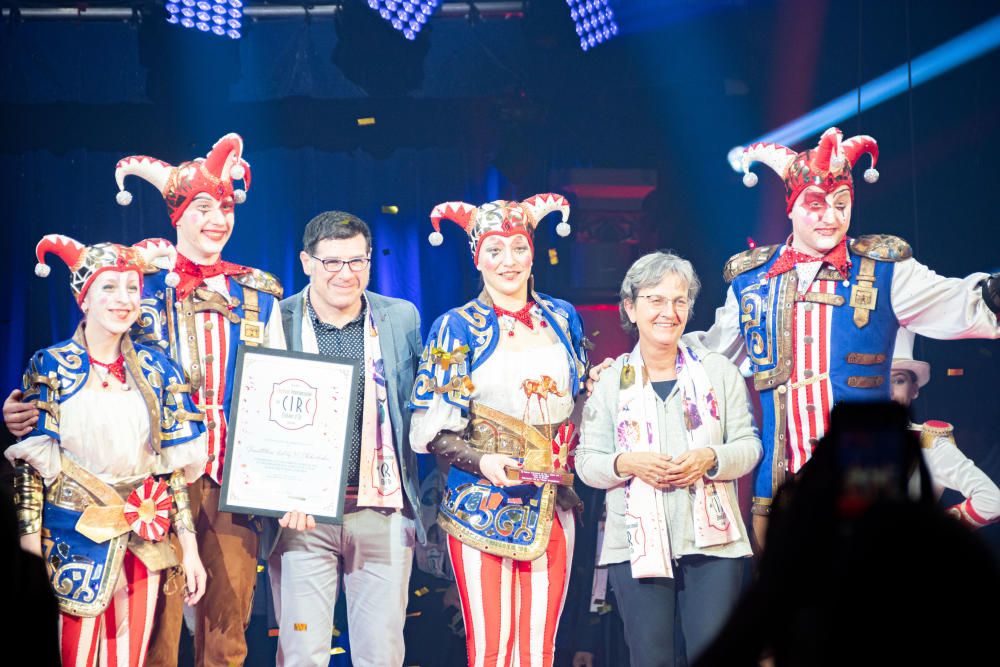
pixel 957 51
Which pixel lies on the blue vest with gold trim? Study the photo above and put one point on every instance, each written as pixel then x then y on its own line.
pixel 82 572
pixel 855 352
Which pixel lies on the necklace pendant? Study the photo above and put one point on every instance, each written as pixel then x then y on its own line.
pixel 104 384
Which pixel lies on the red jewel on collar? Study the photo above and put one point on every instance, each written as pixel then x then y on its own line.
pixel 522 315
pixel 116 368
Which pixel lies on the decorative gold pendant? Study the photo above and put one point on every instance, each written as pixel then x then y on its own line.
pixel 251 332
pixel 864 296
pixel 627 378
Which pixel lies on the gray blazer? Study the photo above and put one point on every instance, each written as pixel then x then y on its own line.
pixel 398 323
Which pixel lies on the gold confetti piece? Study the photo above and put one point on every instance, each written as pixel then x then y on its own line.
pixel 553 256
pixel 301 627
pixel 336 632
pixel 260 568
pixel 420 592
pixel 955 372
pixel 414 614
pixel 391 210
pixel 336 650
pixel 369 120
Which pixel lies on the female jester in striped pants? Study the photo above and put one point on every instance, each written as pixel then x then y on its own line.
pixel 101 478
pixel 493 396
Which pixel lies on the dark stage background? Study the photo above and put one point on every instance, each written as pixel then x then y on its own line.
pixel 500 108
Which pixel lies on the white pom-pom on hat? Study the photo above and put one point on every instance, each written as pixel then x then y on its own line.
pixel 172 279
pixel 563 229
pixel 237 172
pixel 42 270
pixel 749 179
pixel 435 238
pixel 124 198
pixel 871 175
pixel 239 196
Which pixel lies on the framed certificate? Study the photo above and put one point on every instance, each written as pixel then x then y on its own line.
pixel 287 447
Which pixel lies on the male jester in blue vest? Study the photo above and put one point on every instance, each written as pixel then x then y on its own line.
pixel 816 316
pixel 200 313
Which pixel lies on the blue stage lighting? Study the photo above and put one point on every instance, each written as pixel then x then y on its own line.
pixel 957 51
pixel 595 21
pixel 406 16
pixel 219 17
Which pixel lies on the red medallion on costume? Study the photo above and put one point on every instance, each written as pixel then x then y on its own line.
pixel 147 509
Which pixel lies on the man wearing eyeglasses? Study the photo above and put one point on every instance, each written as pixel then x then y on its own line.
pixel 373 549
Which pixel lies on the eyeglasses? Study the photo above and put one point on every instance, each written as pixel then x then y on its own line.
pixel 658 302
pixel 335 265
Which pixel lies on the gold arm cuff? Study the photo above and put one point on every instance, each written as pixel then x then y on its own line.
pixel 29 496
pixel 180 512
pixel 175 388
pixel 761 506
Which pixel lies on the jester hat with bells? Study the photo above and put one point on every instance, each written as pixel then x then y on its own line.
pixel 499 218
pixel 828 166
pixel 87 262
pixel 213 174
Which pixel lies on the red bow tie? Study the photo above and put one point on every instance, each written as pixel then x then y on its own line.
pixel 837 258
pixel 191 275
pixel 522 315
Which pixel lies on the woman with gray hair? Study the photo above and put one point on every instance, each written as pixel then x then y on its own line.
pixel 668 432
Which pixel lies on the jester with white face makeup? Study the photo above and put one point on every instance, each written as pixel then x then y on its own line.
pixel 201 312
pixel 816 316
pixel 493 396
pixel 102 475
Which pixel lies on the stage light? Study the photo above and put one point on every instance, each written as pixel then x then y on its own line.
pixel 219 17
pixel 957 51
pixel 404 15
pixel 595 21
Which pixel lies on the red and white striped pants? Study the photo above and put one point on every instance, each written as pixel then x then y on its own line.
pixel 511 608
pixel 118 637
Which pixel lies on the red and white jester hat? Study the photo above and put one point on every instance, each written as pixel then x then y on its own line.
pixel 213 174
pixel 499 218
pixel 87 262
pixel 827 166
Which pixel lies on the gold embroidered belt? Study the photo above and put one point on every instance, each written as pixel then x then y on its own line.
pixel 495 432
